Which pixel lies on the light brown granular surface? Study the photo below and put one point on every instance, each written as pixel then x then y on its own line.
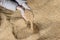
pixel 46 22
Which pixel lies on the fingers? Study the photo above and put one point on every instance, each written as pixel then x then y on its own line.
pixel 26 6
pixel 21 9
pixel 22 13
pixel 23 4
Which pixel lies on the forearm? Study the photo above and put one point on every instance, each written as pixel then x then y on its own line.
pixel 8 4
pixel 20 2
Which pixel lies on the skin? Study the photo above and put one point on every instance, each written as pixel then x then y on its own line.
pixel 22 8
